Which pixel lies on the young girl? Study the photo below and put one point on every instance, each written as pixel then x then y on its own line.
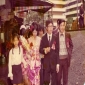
pixel 15 59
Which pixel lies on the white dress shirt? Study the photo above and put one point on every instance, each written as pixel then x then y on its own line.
pixel 15 58
pixel 49 35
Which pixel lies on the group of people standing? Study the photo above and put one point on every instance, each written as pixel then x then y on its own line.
pixel 26 55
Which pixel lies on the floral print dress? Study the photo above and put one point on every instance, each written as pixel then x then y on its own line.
pixel 35 65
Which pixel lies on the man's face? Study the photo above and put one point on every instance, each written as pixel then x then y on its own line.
pixel 62 27
pixel 50 28
pixel 81 6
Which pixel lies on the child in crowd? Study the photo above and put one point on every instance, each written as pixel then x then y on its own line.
pixel 15 60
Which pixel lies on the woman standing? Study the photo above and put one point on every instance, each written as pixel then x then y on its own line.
pixel 23 42
pixel 34 67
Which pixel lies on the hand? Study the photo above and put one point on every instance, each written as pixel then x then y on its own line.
pixel 46 50
pixel 11 77
pixel 82 15
pixel 57 68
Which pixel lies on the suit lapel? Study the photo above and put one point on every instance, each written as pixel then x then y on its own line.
pixel 66 37
pixel 52 40
pixel 47 40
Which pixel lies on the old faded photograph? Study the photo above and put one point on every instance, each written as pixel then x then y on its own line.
pixel 42 42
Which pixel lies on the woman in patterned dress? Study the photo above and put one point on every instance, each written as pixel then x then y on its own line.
pixel 26 55
pixel 35 65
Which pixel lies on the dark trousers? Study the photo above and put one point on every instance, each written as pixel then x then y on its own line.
pixel 41 73
pixel 50 75
pixel 63 72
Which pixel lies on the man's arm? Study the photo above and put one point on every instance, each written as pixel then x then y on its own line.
pixel 41 49
pixel 70 43
pixel 57 54
pixel 57 49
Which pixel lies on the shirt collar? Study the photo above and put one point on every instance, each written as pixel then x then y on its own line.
pixel 49 35
pixel 62 33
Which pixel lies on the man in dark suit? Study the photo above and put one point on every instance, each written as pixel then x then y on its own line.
pixel 65 52
pixel 49 47
pixel 81 18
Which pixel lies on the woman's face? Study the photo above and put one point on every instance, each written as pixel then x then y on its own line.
pixel 34 33
pixel 41 32
pixel 15 41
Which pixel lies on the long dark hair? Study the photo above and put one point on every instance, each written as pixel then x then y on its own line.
pixel 13 37
pixel 34 27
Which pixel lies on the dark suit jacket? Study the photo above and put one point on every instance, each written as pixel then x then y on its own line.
pixel 81 11
pixel 69 45
pixel 51 58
